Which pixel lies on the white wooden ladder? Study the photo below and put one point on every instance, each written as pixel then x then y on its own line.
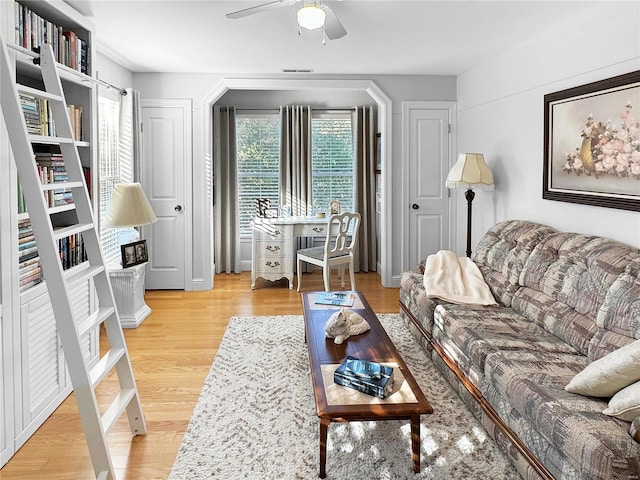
pixel 59 282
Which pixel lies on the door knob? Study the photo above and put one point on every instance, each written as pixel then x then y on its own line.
pixel 415 206
pixel 178 208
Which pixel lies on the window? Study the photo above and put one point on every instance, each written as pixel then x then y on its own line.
pixel 109 171
pixel 332 161
pixel 258 150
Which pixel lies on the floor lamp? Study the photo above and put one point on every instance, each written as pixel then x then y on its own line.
pixel 470 171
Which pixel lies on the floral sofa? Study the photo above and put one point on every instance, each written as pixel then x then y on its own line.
pixel 568 303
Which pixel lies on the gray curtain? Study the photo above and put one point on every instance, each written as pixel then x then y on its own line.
pixel 129 142
pixel 225 210
pixel 295 159
pixel 365 190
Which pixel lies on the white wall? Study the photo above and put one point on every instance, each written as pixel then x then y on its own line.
pixel 198 86
pixel 112 72
pixel 500 113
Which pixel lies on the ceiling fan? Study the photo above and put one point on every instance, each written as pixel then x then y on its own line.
pixel 310 15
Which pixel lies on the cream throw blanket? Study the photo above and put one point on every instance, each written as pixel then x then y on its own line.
pixel 456 280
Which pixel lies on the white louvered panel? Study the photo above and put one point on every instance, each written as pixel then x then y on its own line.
pixel 80 301
pixel 41 376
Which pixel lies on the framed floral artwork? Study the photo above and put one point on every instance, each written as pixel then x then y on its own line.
pixel 592 143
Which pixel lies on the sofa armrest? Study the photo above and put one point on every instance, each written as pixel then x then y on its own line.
pixel 634 431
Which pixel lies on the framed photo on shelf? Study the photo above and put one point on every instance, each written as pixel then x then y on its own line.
pixel 134 253
pixel 592 144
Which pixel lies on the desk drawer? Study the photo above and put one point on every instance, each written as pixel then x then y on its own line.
pixel 273 249
pixel 273 265
pixel 311 230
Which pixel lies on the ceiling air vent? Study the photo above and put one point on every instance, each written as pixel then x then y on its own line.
pixel 297 70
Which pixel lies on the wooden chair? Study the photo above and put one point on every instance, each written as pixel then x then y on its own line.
pixel 338 249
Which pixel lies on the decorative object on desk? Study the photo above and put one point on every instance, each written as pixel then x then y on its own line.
pixel 285 211
pixel 262 204
pixel 271 213
pixel 338 250
pixel 592 144
pixel 341 299
pixel 344 324
pixel 134 253
pixel 376 387
pixel 470 171
pixel 334 207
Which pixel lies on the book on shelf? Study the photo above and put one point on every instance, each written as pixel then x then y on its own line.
pixel 24 237
pixel 27 251
pixel 28 263
pixel 28 285
pixel 33 31
pixel 72 251
pixel 342 299
pixel 30 271
pixel 364 380
pixel 24 246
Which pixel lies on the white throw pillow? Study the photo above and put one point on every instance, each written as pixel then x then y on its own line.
pixel 609 374
pixel 625 404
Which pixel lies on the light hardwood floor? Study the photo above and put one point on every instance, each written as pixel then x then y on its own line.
pixel 171 353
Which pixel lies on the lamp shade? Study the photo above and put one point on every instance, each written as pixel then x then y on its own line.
pixel 311 16
pixel 129 207
pixel 470 171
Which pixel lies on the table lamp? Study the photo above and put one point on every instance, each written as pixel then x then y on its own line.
pixel 129 207
pixel 470 171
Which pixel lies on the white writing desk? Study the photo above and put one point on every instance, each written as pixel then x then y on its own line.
pixel 273 245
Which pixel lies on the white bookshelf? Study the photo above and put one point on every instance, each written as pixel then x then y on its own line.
pixel 34 375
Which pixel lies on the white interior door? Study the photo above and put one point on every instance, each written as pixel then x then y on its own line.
pixel 166 154
pixel 427 146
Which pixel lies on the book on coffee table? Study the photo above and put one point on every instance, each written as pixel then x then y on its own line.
pixel 341 299
pixel 361 375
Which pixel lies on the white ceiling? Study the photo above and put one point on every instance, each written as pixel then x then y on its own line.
pixel 384 37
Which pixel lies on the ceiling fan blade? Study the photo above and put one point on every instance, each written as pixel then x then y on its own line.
pixel 261 8
pixel 333 28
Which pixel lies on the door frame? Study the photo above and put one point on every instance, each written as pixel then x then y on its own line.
pixel 406 201
pixel 385 118
pixel 187 108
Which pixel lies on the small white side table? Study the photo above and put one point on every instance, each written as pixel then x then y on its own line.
pixel 128 290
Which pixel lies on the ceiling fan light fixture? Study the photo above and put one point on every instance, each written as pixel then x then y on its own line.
pixel 311 16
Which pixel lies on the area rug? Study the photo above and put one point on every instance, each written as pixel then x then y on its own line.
pixel 256 419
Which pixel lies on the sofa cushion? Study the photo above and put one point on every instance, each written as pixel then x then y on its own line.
pixel 565 282
pixel 533 385
pixel 625 404
pixel 620 311
pixel 555 317
pixel 609 374
pixel 502 253
pixel 472 333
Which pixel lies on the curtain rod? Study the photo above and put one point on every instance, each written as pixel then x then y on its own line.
pixel 276 109
pixel 83 76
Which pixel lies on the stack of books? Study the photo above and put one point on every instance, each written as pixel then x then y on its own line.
pixel 29 269
pixel 367 377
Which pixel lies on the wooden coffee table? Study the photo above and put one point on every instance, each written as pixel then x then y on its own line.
pixel 335 403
